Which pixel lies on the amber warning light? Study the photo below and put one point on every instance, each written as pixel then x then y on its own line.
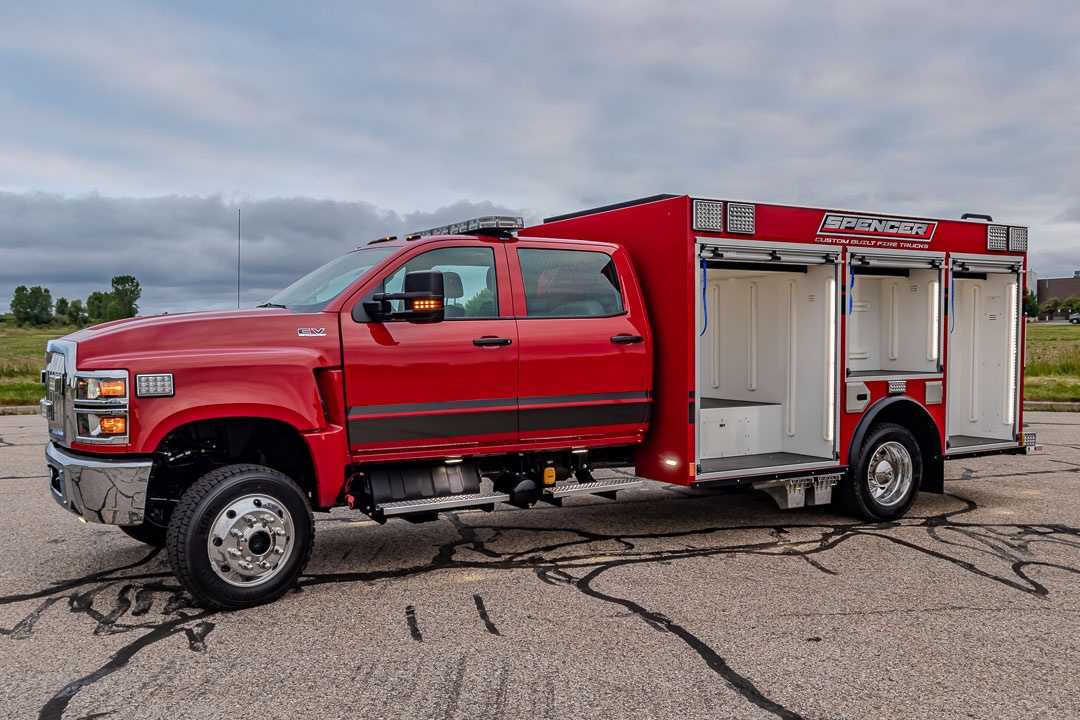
pixel 113 425
pixel 421 304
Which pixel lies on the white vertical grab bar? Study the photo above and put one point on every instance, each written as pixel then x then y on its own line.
pixel 792 353
pixel 830 359
pixel 1010 386
pixel 751 346
pixel 973 376
pixel 894 324
pixel 714 306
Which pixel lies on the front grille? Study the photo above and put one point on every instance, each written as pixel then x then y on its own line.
pixel 55 395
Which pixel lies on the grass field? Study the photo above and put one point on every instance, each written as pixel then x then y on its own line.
pixel 1053 362
pixel 22 358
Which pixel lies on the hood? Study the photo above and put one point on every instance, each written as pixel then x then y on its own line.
pixel 116 344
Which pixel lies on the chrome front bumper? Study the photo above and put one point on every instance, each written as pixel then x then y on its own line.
pixel 101 491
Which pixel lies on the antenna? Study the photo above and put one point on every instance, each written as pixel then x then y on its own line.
pixel 237 258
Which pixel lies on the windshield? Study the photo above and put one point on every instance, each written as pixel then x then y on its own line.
pixel 314 291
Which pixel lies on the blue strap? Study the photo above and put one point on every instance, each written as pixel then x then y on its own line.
pixel 704 305
pixel 952 304
pixel 851 290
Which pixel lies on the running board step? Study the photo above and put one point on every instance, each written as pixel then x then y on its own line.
pixel 603 488
pixel 439 504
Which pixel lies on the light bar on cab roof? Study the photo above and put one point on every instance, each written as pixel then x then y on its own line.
pixel 465 227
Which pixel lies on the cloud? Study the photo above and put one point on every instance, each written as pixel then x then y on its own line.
pixel 336 122
pixel 183 250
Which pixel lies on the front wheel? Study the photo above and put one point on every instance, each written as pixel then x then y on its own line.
pixel 884 480
pixel 240 536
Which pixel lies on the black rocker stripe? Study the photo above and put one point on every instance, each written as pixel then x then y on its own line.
pixel 361 411
pixel 402 428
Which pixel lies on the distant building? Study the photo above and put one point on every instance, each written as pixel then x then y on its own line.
pixel 1060 288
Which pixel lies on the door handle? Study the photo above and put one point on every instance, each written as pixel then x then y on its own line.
pixel 491 341
pixel 626 339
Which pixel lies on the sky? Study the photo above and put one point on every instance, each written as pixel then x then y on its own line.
pixel 133 134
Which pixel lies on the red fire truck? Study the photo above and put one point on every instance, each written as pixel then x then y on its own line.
pixel 805 352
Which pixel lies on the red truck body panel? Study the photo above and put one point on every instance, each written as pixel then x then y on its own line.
pixel 660 236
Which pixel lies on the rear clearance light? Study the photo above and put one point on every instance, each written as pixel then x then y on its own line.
pixel 1028 439
pixel 709 215
pixel 997 238
pixel 740 218
pixel 1018 239
pixel 157 385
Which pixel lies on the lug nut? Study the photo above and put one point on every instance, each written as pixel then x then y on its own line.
pixel 264 565
pixel 278 550
pixel 279 531
pixel 249 519
pixel 246 565
pixel 234 552
pixel 236 533
pixel 268 518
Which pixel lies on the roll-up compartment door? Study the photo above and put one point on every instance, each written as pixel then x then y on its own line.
pixel 984 331
pixel 895 312
pixel 767 354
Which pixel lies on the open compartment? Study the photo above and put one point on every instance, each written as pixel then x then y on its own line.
pixel 895 314
pixel 983 352
pixel 767 354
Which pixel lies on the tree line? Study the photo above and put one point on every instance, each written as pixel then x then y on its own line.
pixel 34 307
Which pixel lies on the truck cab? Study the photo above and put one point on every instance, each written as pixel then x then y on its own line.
pixel 439 371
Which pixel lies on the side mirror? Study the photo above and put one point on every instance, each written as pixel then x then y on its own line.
pixel 422 297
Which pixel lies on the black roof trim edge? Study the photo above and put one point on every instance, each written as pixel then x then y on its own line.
pixel 607 208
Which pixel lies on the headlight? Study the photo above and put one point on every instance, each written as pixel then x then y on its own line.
pixel 101 388
pixel 101 406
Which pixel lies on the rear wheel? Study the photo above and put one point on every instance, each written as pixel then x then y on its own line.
pixel 884 480
pixel 240 536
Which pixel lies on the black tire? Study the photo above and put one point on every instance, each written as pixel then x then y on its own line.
pixel 240 537
pixel 148 533
pixel 884 479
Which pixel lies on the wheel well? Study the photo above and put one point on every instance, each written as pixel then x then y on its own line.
pixel 190 451
pixel 919 422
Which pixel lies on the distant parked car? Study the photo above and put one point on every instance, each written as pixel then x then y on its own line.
pixel 1075 318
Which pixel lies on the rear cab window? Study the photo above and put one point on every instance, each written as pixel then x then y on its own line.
pixel 569 283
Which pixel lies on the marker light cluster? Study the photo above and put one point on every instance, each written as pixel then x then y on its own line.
pixel 997 237
pixel 1018 239
pixel 709 215
pixel 156 385
pixel 740 218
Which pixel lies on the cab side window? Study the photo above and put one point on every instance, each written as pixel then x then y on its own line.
pixel 469 283
pixel 569 283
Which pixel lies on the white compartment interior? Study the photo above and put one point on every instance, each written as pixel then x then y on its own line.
pixel 764 367
pixel 982 365
pixel 895 323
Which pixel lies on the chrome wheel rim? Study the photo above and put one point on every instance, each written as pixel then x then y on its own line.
pixel 250 540
pixel 889 474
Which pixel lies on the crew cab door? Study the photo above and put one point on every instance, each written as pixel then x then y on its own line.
pixel 585 361
pixel 436 388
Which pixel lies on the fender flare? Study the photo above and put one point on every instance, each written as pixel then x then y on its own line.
pixel 929 436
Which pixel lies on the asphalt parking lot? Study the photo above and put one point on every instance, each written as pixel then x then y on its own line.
pixel 667 603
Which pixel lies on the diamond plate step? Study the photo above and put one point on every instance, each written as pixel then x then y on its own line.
pixel 438 504
pixel 595 487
